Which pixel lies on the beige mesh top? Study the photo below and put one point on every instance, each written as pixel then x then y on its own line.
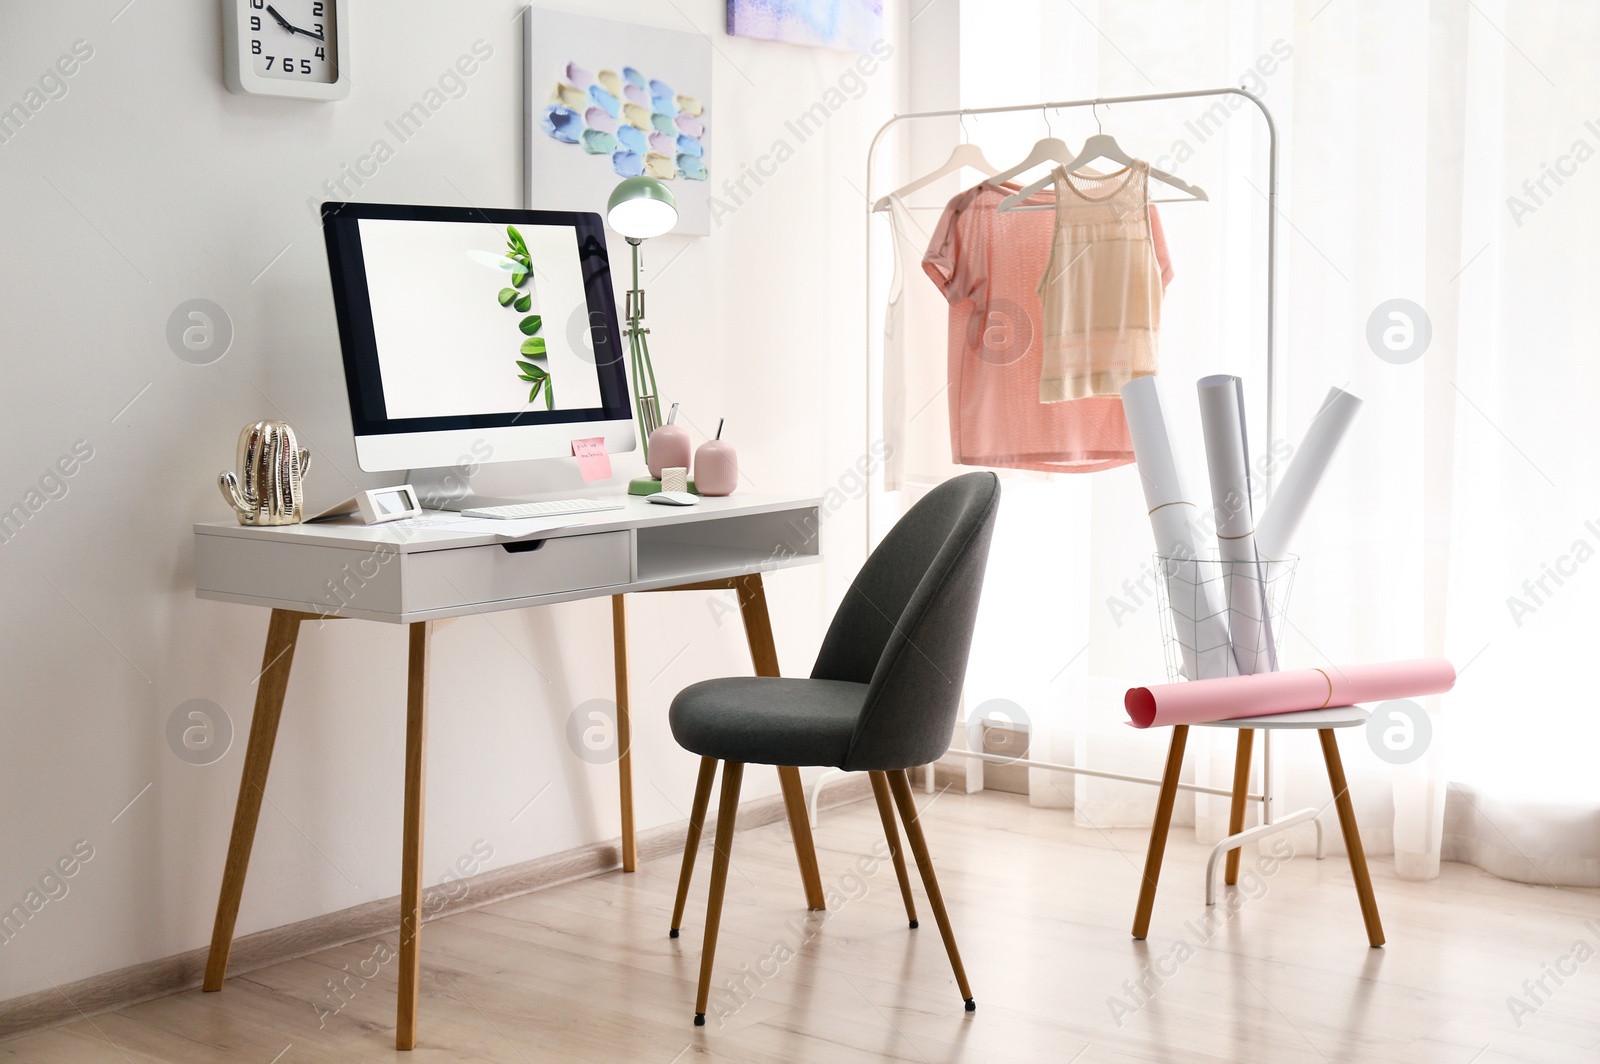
pixel 1102 288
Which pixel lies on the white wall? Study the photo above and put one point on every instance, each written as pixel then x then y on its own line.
pixel 148 184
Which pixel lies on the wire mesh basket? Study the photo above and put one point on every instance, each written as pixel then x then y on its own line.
pixel 1222 618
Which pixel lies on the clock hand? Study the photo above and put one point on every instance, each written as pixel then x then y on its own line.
pixel 286 24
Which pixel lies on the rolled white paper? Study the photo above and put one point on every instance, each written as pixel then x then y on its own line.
pixel 1199 614
pixel 1289 501
pixel 1228 462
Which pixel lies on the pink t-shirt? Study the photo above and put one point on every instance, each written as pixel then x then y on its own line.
pixel 987 265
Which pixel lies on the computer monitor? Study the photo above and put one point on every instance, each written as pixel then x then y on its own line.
pixel 475 332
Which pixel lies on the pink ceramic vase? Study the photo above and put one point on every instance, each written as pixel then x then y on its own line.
pixel 669 446
pixel 716 468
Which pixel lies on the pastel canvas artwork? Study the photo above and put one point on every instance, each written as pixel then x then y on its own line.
pixel 639 123
pixel 610 100
pixel 849 25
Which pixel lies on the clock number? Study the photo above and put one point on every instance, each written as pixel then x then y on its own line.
pixel 321 54
pixel 270 58
pixel 255 23
pixel 255 47
pixel 316 10
pixel 320 32
pixel 305 66
pixel 257 5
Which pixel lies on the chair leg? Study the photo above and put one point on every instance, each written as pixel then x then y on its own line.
pixel 691 844
pixel 1158 831
pixel 727 813
pixel 900 785
pixel 880 791
pixel 1352 837
pixel 1241 791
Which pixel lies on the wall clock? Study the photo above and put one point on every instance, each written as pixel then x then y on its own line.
pixel 294 48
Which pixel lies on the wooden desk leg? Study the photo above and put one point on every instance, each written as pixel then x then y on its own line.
pixel 282 632
pixel 1352 836
pixel 764 654
pixel 619 633
pixel 1241 793
pixel 1158 831
pixel 405 1024
pixel 805 851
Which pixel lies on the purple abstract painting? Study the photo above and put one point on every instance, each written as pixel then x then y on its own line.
pixel 851 25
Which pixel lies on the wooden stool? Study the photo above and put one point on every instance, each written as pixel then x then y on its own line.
pixel 1324 721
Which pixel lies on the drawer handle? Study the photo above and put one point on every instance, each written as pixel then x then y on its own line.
pixel 522 546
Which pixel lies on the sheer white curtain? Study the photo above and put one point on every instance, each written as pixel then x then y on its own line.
pixel 1444 154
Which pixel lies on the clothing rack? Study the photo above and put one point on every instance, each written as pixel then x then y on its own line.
pixel 1098 101
pixel 1266 796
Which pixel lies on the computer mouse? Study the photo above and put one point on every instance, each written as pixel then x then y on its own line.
pixel 674 498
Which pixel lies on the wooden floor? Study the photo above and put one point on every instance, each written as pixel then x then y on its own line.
pixel 586 972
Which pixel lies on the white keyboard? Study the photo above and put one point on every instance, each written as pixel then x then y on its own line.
pixel 521 511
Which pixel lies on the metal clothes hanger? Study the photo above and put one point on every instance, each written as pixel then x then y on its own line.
pixel 1102 146
pixel 965 155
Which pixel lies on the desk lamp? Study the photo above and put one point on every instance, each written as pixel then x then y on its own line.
pixel 641 208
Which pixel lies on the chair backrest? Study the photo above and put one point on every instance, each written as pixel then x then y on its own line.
pixel 905 626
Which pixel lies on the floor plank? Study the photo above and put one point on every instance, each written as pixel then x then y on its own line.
pixel 1279 972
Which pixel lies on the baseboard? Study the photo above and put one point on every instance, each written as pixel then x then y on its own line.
pixel 183 971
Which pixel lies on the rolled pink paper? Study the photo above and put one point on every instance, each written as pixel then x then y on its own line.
pixel 1233 697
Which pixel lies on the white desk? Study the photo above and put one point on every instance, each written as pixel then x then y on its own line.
pixel 343 569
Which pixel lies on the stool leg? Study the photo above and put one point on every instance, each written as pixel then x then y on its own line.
pixel 1158 831
pixel 697 823
pixel 900 785
pixel 727 813
pixel 1241 791
pixel 1352 837
pixel 880 791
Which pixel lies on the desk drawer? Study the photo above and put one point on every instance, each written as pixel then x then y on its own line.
pixel 443 579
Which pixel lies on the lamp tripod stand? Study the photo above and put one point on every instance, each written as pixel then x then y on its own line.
pixel 646 401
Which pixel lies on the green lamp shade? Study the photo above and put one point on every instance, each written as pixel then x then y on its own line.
pixel 641 208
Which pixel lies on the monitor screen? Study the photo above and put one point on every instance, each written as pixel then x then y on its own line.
pixel 498 323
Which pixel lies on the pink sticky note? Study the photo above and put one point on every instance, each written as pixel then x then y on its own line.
pixel 593 462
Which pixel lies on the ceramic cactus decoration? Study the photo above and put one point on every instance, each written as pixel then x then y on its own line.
pixel 271 466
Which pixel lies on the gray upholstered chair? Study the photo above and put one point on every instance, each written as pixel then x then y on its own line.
pixel 882 697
